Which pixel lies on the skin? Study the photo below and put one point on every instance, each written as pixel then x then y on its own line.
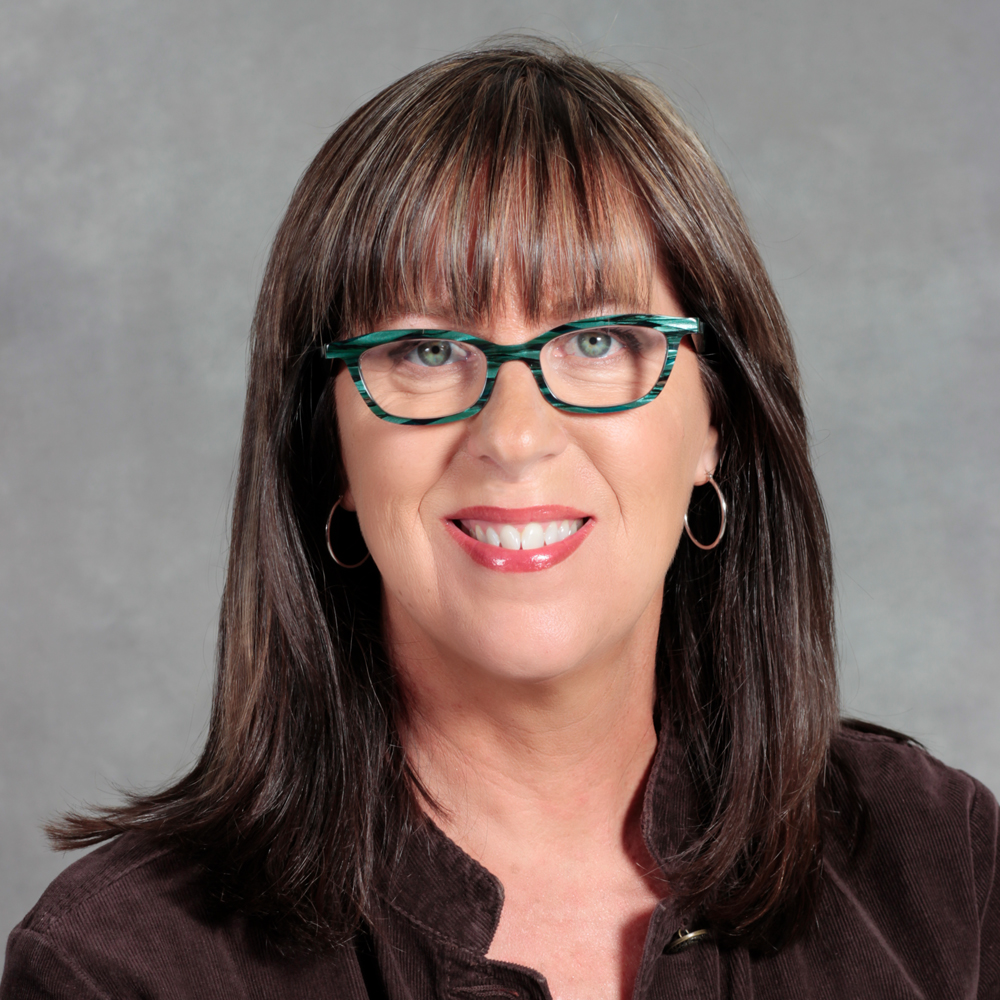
pixel 530 696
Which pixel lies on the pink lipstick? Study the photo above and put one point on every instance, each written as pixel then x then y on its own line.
pixel 519 540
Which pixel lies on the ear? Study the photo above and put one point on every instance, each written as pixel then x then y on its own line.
pixel 347 500
pixel 709 457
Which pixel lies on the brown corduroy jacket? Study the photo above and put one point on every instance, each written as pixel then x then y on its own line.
pixel 916 914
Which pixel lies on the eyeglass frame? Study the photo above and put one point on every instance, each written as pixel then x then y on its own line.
pixel 674 328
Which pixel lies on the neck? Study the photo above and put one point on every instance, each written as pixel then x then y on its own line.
pixel 511 762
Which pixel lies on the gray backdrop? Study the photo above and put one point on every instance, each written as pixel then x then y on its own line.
pixel 148 150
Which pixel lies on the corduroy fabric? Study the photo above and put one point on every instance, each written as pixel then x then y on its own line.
pixel 915 914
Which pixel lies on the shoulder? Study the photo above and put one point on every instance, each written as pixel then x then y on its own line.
pixel 910 795
pixel 132 920
pixel 921 887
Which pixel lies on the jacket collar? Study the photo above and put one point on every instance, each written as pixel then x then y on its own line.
pixel 453 898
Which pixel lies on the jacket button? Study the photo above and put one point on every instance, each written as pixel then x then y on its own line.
pixel 684 939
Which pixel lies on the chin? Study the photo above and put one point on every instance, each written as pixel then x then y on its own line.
pixel 535 662
pixel 530 671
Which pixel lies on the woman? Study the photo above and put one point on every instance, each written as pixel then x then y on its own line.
pixel 526 662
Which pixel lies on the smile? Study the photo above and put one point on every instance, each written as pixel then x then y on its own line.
pixel 522 540
pixel 533 535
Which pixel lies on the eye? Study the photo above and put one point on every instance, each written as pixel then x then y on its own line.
pixel 593 344
pixel 433 353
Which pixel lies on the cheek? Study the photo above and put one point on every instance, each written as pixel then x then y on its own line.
pixel 368 445
pixel 653 465
pixel 650 462
pixel 388 468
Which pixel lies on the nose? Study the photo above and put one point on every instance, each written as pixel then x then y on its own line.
pixel 517 428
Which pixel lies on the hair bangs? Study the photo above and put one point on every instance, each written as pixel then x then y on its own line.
pixel 511 201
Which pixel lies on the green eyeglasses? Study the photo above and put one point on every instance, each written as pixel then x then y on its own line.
pixel 601 365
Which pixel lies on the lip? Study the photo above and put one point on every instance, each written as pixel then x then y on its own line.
pixel 518 560
pixel 518 515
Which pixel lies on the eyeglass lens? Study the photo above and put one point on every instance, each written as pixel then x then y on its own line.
pixel 599 366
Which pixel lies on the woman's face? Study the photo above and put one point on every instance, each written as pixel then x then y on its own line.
pixel 627 476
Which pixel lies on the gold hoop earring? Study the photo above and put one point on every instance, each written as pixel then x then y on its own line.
pixel 722 526
pixel 329 547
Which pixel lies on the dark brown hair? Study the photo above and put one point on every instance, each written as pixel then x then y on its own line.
pixel 517 170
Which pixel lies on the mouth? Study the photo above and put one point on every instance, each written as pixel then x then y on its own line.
pixel 523 540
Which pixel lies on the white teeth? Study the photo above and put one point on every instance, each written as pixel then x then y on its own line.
pixel 510 538
pixel 532 536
